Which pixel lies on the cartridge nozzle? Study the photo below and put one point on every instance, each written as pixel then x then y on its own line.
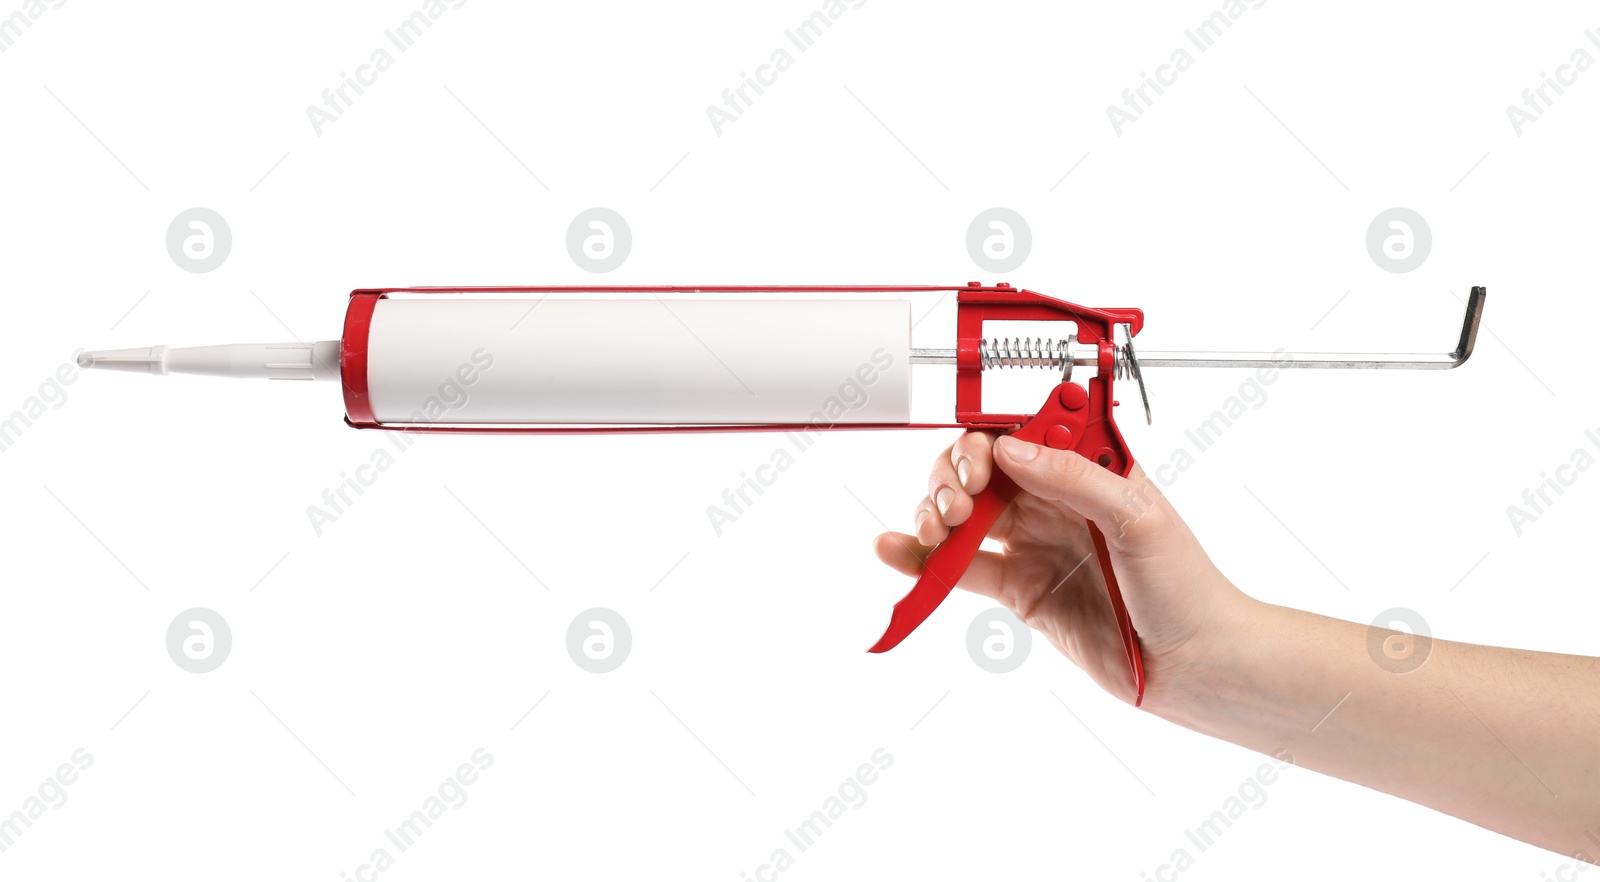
pixel 271 361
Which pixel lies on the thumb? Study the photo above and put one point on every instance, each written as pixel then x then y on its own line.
pixel 1120 507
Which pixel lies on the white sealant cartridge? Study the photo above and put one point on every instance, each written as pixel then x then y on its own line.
pixel 420 358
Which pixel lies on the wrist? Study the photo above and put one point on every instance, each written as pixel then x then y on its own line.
pixel 1201 684
pixel 1261 678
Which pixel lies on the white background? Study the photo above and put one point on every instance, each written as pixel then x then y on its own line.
pixel 369 662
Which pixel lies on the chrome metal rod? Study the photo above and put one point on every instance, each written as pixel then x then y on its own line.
pixel 1324 360
pixel 1086 356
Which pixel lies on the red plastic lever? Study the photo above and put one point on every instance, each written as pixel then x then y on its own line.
pixel 1062 423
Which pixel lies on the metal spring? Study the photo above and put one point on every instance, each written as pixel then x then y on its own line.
pixel 1124 365
pixel 1024 352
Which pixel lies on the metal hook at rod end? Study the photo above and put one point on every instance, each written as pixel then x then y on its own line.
pixel 1469 325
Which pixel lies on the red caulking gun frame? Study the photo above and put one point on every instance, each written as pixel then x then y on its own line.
pixel 398 342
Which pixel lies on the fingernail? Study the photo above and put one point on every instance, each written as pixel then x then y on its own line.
pixel 922 515
pixel 943 498
pixel 963 467
pixel 1021 451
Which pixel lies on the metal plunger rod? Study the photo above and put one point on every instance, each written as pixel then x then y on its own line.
pixel 1088 356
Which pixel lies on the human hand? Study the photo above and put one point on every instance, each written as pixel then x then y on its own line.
pixel 1048 574
pixel 1267 677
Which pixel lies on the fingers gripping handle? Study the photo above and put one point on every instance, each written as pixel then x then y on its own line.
pixel 1065 422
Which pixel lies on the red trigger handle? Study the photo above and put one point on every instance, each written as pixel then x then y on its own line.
pixel 1070 419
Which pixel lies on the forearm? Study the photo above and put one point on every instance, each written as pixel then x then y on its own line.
pixel 1503 738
